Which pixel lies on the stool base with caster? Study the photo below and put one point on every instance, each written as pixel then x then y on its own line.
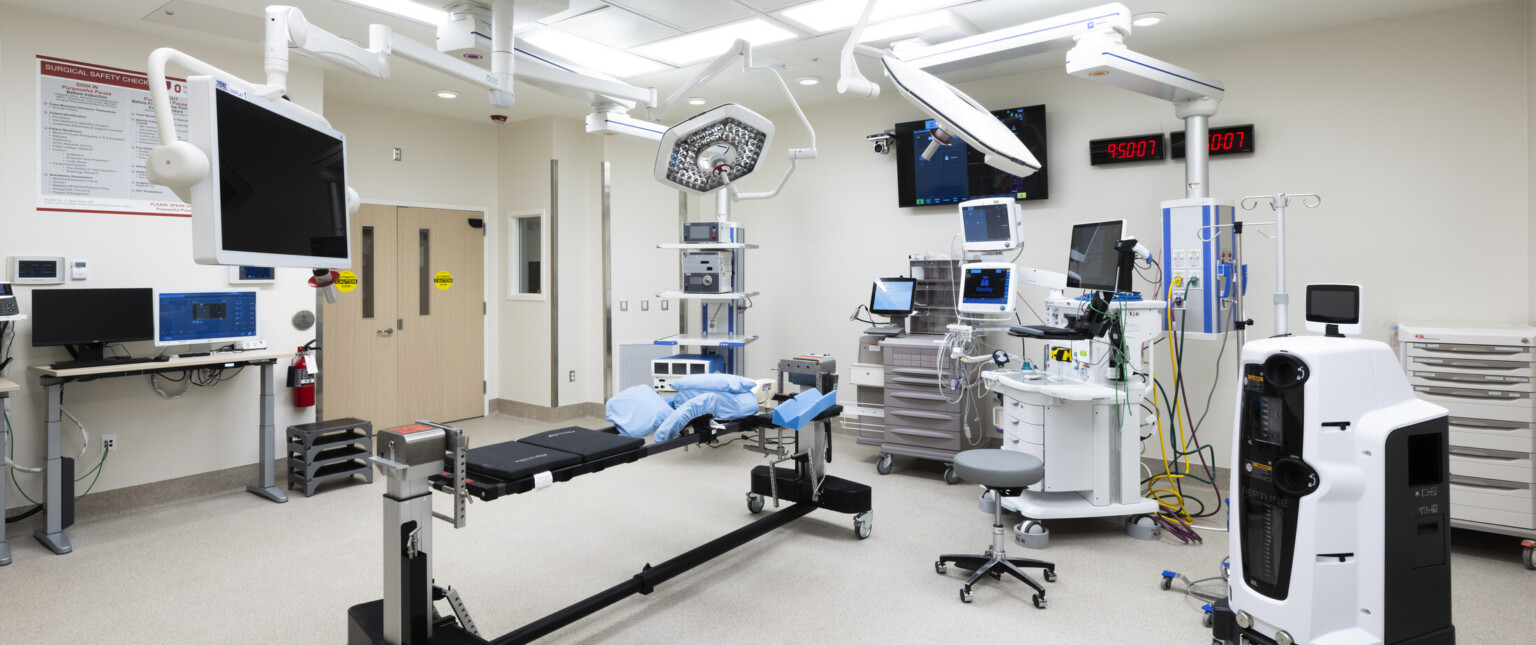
pixel 1005 473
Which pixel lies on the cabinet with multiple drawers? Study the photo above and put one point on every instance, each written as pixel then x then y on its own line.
pixel 1484 375
pixel 921 419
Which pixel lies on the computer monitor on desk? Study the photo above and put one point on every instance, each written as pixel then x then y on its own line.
pixel 891 297
pixel 185 318
pixel 86 320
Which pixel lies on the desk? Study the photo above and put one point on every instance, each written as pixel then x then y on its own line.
pixel 6 388
pixel 52 534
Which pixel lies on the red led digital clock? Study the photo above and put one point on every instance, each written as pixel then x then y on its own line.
pixel 1146 147
pixel 1224 141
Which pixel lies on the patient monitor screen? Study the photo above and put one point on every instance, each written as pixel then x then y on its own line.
pixel 986 286
pixel 1094 260
pixel 282 185
pixel 987 223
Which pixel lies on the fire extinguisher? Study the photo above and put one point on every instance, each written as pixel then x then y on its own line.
pixel 302 380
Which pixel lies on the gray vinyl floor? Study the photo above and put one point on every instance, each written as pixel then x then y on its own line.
pixel 232 568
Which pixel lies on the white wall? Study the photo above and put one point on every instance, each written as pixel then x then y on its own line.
pixel 1371 116
pixel 157 439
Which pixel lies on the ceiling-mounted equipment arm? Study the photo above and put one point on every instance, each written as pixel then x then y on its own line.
pixel 850 80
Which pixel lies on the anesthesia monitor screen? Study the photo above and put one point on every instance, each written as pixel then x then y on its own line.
pixel 195 317
pixel 958 173
pixel 986 286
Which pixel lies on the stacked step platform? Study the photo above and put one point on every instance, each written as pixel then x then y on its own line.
pixel 328 450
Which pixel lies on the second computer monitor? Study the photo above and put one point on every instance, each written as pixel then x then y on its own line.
pixel 196 317
pixel 1094 261
pixel 892 296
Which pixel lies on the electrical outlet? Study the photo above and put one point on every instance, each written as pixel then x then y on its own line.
pixel 108 442
pixel 396 155
pixel 665 305
pixel 573 376
pixel 645 305
pixel 623 305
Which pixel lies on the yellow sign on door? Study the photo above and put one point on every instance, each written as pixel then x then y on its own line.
pixel 443 280
pixel 346 282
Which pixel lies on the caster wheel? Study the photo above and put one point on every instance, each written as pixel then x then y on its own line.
pixel 1167 584
pixel 1208 620
pixel 1039 601
pixel 996 575
pixel 863 525
pixel 940 568
pixel 1526 557
pixel 883 465
pixel 1050 575
pixel 754 503
pixel 965 595
pixel 950 477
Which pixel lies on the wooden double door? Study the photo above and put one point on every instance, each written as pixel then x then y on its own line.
pixel 406 341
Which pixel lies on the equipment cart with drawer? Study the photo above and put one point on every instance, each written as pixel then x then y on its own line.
pixel 1484 375
pixel 923 418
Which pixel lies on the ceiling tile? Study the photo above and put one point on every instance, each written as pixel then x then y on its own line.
pixel 616 28
pixel 686 15
pixel 209 20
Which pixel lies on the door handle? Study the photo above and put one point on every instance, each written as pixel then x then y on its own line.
pixel 389 331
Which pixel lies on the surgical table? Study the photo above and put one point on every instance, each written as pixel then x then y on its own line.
pixel 419 458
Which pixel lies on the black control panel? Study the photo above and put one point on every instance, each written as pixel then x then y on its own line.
pixel 1273 476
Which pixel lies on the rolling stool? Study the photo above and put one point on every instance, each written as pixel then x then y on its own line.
pixel 1005 473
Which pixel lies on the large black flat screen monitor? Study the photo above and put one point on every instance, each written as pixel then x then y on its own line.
pixel 1094 261
pixel 957 173
pixel 91 316
pixel 282 184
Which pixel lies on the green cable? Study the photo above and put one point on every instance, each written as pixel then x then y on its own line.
pixel 107 451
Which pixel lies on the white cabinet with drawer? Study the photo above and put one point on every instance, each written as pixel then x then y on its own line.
pixel 1486 376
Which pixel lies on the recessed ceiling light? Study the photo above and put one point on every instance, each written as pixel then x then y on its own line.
pixel 823 16
pixel 446 94
pixel 697 100
pixel 1148 19
pixel 405 9
pixel 592 54
pixel 808 80
pixel 709 43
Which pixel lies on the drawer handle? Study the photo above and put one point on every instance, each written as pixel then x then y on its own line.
pixel 1470 378
pixel 921 371
pixel 918 433
pixel 1485 483
pixel 937 416
pixel 919 395
pixel 1473 349
pixel 1471 363
pixel 1482 424
pixel 1476 453
pixel 1469 394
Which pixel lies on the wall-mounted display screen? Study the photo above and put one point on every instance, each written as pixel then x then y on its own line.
pixel 1147 147
pixel 957 173
pixel 1224 141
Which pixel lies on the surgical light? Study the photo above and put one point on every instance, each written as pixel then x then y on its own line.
pixel 957 115
pixel 709 43
pixel 713 149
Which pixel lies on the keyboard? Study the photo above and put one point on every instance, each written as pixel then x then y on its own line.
pixel 1046 331
pixel 69 365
